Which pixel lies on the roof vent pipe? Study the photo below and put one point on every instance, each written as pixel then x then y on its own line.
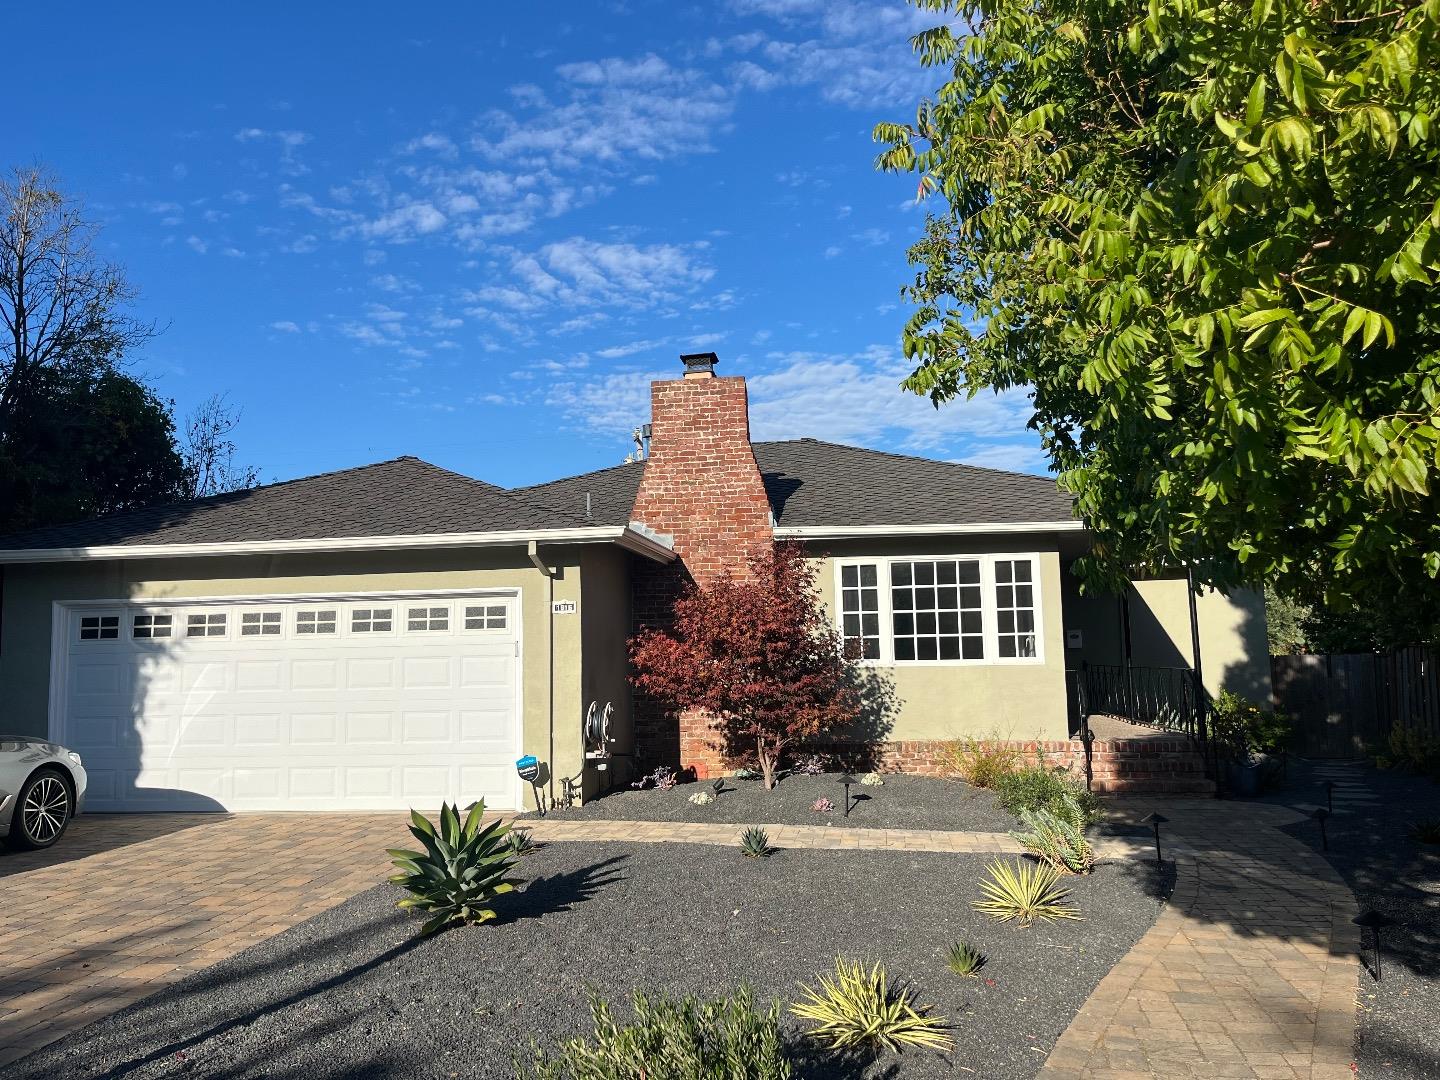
pixel 700 365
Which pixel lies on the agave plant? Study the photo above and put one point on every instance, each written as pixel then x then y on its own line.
pixel 755 843
pixel 964 959
pixel 462 869
pixel 1056 841
pixel 1024 892
pixel 859 1009
pixel 521 843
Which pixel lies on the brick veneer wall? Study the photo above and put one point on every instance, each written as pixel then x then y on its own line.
pixel 702 487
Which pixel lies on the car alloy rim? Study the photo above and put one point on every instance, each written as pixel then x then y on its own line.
pixel 45 810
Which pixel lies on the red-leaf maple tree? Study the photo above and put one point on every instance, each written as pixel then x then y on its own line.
pixel 757 654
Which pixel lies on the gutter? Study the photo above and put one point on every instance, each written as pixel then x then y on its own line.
pixel 623 535
pixel 841 532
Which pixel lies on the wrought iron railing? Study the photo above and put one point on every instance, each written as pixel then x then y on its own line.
pixel 1164 697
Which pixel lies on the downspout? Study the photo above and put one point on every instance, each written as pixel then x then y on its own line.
pixel 534 553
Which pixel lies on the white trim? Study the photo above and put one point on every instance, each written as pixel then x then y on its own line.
pixel 839 532
pixel 623 535
pixel 989 621
pixel 60 638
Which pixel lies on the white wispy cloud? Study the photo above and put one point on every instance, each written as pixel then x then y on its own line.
pixel 286 326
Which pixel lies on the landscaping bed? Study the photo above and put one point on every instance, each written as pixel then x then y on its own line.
pixel 356 992
pixel 903 802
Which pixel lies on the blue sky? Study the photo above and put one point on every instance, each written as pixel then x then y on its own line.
pixel 475 233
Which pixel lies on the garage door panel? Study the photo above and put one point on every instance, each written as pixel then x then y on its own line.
pixel 425 673
pixel 370 727
pixel 259 676
pixel 370 673
pixel 259 729
pixel 426 727
pixel 314 675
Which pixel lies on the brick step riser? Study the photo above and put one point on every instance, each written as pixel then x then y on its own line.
pixel 1156 786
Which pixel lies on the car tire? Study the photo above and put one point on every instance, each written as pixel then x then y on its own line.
pixel 42 811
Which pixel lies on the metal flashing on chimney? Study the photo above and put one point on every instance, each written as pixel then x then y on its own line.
pixel 700 365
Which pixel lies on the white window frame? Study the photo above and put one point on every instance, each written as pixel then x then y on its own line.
pixel 988 614
pixel 99 617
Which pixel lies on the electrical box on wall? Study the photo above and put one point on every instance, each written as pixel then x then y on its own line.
pixel 1074 639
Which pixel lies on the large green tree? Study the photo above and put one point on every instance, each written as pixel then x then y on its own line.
pixel 1203 234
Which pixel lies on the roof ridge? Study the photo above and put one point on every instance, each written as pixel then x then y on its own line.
pixel 577 476
pixel 916 457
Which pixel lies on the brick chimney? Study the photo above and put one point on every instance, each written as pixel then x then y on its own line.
pixel 701 485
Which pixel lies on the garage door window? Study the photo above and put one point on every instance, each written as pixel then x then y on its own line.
pixel 205 626
pixel 260 624
pixel 152 626
pixel 485 617
pixel 372 620
pixel 427 618
pixel 99 627
pixel 320 621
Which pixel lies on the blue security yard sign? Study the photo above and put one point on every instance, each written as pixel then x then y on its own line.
pixel 529 768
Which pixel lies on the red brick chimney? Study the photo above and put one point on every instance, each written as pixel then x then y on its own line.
pixel 701 485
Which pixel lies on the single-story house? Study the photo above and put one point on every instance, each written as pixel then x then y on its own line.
pixel 397 634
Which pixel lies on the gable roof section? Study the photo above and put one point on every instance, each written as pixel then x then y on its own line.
pixel 405 497
pixel 825 488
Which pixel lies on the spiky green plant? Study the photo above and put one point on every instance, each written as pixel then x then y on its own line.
pixel 1024 892
pixel 755 843
pixel 859 1009
pixel 1427 831
pixel 462 869
pixel 964 959
pixel 1055 841
pixel 521 843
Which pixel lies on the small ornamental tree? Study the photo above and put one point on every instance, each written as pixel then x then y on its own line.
pixel 758 655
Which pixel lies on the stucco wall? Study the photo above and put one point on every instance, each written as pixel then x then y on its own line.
pixel 945 701
pixel 605 665
pixel 25 629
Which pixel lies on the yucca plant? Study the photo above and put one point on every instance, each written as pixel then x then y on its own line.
pixel 1427 831
pixel 964 959
pixel 462 869
pixel 755 843
pixel 1024 892
pixel 521 843
pixel 859 1009
pixel 1055 841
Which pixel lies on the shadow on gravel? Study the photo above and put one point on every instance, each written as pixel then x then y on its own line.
pixel 1157 882
pixel 559 892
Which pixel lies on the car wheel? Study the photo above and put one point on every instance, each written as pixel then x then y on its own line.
pixel 42 811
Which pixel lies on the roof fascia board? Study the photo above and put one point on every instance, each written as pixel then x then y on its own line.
pixel 618 534
pixel 842 532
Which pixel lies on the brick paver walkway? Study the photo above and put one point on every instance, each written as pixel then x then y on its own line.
pixel 125 904
pixel 1250 971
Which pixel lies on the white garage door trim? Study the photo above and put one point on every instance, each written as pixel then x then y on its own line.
pixel 63 610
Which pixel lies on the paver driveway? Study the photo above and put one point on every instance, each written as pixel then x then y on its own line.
pixel 127 903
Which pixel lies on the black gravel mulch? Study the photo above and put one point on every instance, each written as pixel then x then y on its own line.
pixel 1371 844
pixel 903 802
pixel 355 992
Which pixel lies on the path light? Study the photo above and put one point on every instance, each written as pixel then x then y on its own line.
pixel 1330 795
pixel 1155 821
pixel 1373 921
pixel 1320 815
pixel 719 785
pixel 846 779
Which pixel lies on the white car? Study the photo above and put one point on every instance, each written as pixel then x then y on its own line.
pixel 42 786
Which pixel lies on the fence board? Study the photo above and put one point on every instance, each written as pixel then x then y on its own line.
pixel 1344 702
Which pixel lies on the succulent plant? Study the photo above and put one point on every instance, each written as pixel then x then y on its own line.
pixel 871 779
pixel 1024 892
pixel 746 774
pixel 462 869
pixel 521 843
pixel 662 779
pixel 1056 841
pixel 755 843
pixel 702 798
pixel 965 959
pixel 810 765
pixel 823 805
pixel 859 1009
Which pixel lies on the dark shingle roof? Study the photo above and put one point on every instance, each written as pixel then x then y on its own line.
pixel 403 497
pixel 817 484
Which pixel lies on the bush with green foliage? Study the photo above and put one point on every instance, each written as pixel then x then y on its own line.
pixel 1023 893
pixel 1408 748
pixel 981 762
pixel 1246 729
pixel 755 843
pixel 1055 841
pixel 858 1009
pixel 463 868
pixel 669 1039
pixel 1036 787
pixel 521 843
pixel 964 959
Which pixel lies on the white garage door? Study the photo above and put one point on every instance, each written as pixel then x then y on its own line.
pixel 364 702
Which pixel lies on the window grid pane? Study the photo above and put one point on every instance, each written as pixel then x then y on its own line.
pixel 936 610
pixel 99 627
pixel 321 621
pixel 1015 608
pixel 860 609
pixel 258 623
pixel 485 617
pixel 152 626
pixel 427 618
pixel 372 620
pixel 205 625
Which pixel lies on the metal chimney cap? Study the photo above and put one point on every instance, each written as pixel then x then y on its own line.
pixel 699 362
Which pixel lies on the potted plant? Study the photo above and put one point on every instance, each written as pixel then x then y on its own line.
pixel 1252 742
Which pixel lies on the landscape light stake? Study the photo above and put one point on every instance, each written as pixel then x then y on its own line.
pixel 1320 815
pixel 1330 795
pixel 846 779
pixel 1155 821
pixel 1373 921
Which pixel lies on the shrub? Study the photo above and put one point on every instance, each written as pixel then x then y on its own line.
pixel 858 1009
pixel 1055 841
pixel 809 765
pixel 1035 787
pixel 965 959
pixel 745 774
pixel 662 779
pixel 702 798
pixel 981 762
pixel 521 843
pixel 461 870
pixel 1246 728
pixel 823 805
pixel 669 1039
pixel 1411 749
pixel 755 843
pixel 1427 831
pixel 1024 892
pixel 871 779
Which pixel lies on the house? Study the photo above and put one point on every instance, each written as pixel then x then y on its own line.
pixel 397 634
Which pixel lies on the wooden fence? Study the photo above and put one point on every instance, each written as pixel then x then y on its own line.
pixel 1344 702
